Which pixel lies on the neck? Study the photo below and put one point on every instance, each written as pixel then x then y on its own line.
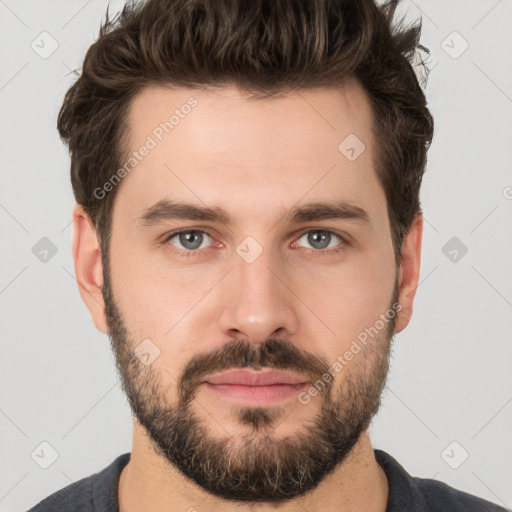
pixel 150 482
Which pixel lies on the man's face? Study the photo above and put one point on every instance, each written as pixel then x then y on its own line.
pixel 262 292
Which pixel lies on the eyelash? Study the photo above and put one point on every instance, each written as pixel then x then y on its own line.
pixel 315 252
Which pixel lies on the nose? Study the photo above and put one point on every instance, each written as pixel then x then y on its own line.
pixel 259 300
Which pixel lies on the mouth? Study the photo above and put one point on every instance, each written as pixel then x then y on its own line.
pixel 255 388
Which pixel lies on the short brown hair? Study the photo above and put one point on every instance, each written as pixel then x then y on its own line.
pixel 266 47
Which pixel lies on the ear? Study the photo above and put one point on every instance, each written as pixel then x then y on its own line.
pixel 88 266
pixel 409 271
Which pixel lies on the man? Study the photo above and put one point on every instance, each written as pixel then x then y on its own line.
pixel 248 233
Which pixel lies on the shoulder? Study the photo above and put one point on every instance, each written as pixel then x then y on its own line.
pixel 440 496
pixel 426 495
pixel 95 493
pixel 74 497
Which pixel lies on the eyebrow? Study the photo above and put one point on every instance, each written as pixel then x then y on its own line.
pixel 165 210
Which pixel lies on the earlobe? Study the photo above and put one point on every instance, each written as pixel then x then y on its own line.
pixel 409 271
pixel 88 266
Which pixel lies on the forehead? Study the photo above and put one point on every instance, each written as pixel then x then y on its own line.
pixel 214 146
pixel 215 115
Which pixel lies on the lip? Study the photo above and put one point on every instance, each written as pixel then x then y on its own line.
pixel 255 378
pixel 255 388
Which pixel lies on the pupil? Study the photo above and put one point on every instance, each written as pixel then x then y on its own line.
pixel 322 238
pixel 186 239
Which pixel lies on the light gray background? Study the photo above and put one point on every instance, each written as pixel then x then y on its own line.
pixel 451 376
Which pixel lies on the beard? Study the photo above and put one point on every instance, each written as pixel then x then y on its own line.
pixel 255 467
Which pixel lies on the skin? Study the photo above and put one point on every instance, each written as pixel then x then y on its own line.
pixel 256 159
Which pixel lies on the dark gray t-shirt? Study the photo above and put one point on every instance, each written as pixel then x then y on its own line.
pixel 98 492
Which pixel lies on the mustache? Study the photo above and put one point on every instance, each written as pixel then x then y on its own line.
pixel 274 353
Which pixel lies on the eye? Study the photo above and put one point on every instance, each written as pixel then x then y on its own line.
pixel 190 240
pixel 321 239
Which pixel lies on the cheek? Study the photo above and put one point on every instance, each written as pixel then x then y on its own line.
pixel 150 305
pixel 162 303
pixel 347 297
